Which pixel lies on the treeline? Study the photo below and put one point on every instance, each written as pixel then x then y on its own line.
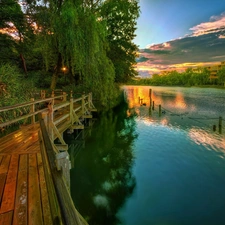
pixel 189 77
pixel 84 45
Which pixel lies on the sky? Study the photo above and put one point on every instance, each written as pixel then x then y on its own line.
pixel 165 20
pixel 178 34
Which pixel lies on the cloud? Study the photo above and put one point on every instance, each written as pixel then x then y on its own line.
pixel 216 23
pixel 184 53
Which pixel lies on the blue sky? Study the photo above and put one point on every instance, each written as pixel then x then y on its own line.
pixel 164 20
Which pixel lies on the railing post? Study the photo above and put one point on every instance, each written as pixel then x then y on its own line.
pixel 89 100
pixel 83 104
pixel 71 107
pixel 32 110
pixel 53 95
pixel 64 96
pixel 50 121
pixel 42 94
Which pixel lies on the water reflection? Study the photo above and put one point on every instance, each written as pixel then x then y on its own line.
pixel 183 108
pixel 101 177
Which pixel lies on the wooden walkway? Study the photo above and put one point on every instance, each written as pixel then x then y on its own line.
pixel 33 169
pixel 23 191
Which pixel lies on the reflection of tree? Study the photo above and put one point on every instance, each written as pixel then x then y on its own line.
pixel 102 178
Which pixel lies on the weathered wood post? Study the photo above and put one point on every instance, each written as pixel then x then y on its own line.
pixel 71 107
pixel 32 110
pixel 139 100
pixel 83 103
pixel 220 124
pixel 153 105
pixel 150 98
pixel 89 100
pixel 160 110
pixel 50 121
pixel 53 95
pixel 43 93
pixel 64 96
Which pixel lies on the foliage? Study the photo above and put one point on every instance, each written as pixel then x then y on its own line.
pixel 189 77
pixel 221 76
pixel 76 34
pixel 120 17
pixel 13 90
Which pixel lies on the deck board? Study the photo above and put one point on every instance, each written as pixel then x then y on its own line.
pixel 6 218
pixel 23 190
pixel 34 200
pixel 8 199
pixel 20 211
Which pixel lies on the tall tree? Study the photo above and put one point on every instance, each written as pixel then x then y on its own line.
pixel 120 17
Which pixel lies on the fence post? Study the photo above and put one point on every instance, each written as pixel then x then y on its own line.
pixel 89 100
pixel 82 104
pixel 53 95
pixel 42 94
pixel 153 105
pixel 64 96
pixel 50 121
pixel 71 107
pixel 32 110
pixel 160 110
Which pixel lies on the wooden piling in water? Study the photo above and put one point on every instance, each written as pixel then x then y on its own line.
pixel 153 105
pixel 160 110
pixel 220 124
pixel 150 98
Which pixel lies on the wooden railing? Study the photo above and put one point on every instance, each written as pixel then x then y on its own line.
pixel 58 113
pixel 63 210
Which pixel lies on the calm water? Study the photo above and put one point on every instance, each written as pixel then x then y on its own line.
pixel 134 167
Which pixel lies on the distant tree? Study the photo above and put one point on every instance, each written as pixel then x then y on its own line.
pixel 221 76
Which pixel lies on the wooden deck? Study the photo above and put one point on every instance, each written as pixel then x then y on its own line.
pixel 23 191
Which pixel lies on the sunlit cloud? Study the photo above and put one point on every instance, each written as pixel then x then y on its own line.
pixel 216 23
pixel 156 47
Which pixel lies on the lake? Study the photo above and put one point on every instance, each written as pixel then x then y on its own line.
pixel 134 166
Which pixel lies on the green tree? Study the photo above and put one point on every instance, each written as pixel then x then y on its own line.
pixel 120 17
pixel 221 76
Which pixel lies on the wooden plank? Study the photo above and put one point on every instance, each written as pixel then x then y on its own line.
pixel 34 200
pixel 6 218
pixel 44 193
pixel 2 184
pixel 20 211
pixel 8 198
pixel 5 164
pixel 54 206
pixel 1 157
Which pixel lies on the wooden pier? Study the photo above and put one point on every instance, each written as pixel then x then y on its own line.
pixel 34 168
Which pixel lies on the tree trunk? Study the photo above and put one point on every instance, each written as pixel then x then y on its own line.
pixel 24 63
pixel 56 72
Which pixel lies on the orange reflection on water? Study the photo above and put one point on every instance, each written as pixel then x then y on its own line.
pixel 137 95
pixel 179 101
